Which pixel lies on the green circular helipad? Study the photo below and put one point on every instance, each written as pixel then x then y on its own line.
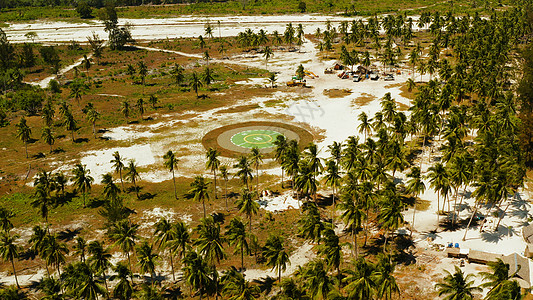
pixel 255 138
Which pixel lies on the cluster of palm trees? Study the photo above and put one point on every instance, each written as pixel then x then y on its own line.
pixel 499 282
pixel 291 35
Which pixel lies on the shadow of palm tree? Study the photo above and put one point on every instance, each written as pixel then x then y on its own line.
pixel 497 235
pixel 68 235
pixel 265 284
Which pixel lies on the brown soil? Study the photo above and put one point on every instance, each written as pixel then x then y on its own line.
pixel 364 99
pixel 337 93
pixel 236 109
pixel 210 139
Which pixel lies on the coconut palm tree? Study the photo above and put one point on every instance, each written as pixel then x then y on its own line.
pixel 439 180
pixel 496 278
pixel 236 236
pixel 213 163
pixel 457 286
pixel 111 190
pixel 140 107
pixel 82 180
pixel 48 113
pixel 279 152
pixel 77 90
pixel 385 281
pixel 210 241
pixel 54 252
pixel 224 173
pixel 171 163
pixel 124 235
pixel 267 54
pixel 100 259
pixel 305 179
pixel 177 74
pixel 48 137
pixel 181 239
pixel 352 216
pixel 237 288
pixel 93 116
pixel 9 251
pixel 43 201
pixel 331 249
pixel 198 190
pixel 133 175
pixel 415 186
pixel 364 125
pixel 70 124
pixel 147 259
pixel 256 158
pixel 390 216
pixel 244 171
pixel 125 109
pixel 80 248
pixel 123 289
pixel 310 225
pixel 316 280
pixel 24 133
pixel 277 257
pixel 196 272
pixel 143 71
pixel 333 177
pixel 5 216
pixel 360 281
pixel 195 83
pixel 247 205
pixel 164 236
pixel 118 166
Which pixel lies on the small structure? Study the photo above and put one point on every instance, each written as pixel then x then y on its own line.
pixel 337 66
pixel 527 234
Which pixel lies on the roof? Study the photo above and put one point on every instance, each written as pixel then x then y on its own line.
pixel 527 233
pixel 518 264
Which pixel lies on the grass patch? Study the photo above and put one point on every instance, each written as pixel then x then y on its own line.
pixel 364 99
pixel 237 109
pixel 337 93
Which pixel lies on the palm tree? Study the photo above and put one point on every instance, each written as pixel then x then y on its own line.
pixel 199 190
pixel 267 54
pixel 48 113
pixel 247 205
pixel 331 250
pixel 111 190
pixel 280 150
pixel 276 255
pixel 77 90
pixel 70 124
pixel 244 171
pixel 496 279
pixel 310 225
pixel 80 248
pixel 352 216
pixel 5 222
pixel 195 83
pixel 390 216
pixel 181 239
pixel 225 174
pixel 43 201
pixel 82 180
pixel 143 71
pixel 360 280
pixel 385 281
pixel 48 137
pixel 171 163
pixel 196 272
pixel 236 235
pixel 305 179
pixel 316 280
pixel 256 158
pixel 123 289
pixel 92 116
pixel 153 100
pixel 237 288
pixel 457 286
pixel 9 251
pixel 125 109
pixel 210 241
pixel 177 74
pixel 140 107
pixel 213 163
pixel 132 175
pixel 164 236
pixel 123 234
pixel 24 133
pixel 118 166
pixel 415 186
pixel 439 181
pixel 54 252
pixel 332 177
pixel 147 259
pixel 365 126
pixel 99 260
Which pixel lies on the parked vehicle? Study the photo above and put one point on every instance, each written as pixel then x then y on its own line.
pixel 356 78
pixel 374 76
pixel 389 77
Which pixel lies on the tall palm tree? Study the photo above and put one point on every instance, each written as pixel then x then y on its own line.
pixel 277 257
pixel 164 236
pixel 316 280
pixel 360 280
pixel 123 289
pixel 305 179
pixel 210 241
pixel 143 71
pixel 80 248
pixel 118 166
pixel 24 133
pixel 352 215
pixel 111 190
pixel 497 277
pixel 140 107
pixel 279 152
pixel 5 216
pixel 48 137
pixel 385 281
pixel 310 225
pixel 124 235
pixel 247 205
pixel 43 201
pixel 415 186
pixel 244 171
pixel 331 249
pixel 9 251
pixel 82 180
pixel 181 241
pixel 332 177
pixel 213 163
pixel 133 175
pixel 198 190
pixel 457 286
pixel 100 259
pixel 48 113
pixel 171 163
pixel 196 83
pixel 93 116
pixel 267 54
pixel 125 109
pixel 70 124
pixel 439 181
pixel 390 216
pixel 224 173
pixel 256 158
pixel 365 126
pixel 238 288
pixel 54 252
pixel 196 272
pixel 236 235
pixel 147 259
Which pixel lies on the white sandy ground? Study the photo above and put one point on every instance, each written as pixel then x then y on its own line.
pixel 336 117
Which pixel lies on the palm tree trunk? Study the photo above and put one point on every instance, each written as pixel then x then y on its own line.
pixel 413 223
pixel 174 180
pixel 242 257
pixel 355 243
pixel 250 222
pixel 172 266
pixel 226 192
pixel 105 281
pixel 281 177
pixel 257 180
pixel 121 180
pixel 203 204
pixel 26 147
pixel 438 206
pixel 15 273
pixel 501 216
pixel 129 262
pixel 470 221
pixel 215 186
pixel 455 206
pixel 136 189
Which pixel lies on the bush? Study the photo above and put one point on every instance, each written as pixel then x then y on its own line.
pixel 84 10
pixel 54 86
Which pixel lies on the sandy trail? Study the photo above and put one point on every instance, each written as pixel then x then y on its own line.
pixel 44 83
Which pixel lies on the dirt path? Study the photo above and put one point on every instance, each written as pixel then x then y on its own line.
pixel 44 82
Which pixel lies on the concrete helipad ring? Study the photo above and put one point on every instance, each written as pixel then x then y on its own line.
pixel 237 139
